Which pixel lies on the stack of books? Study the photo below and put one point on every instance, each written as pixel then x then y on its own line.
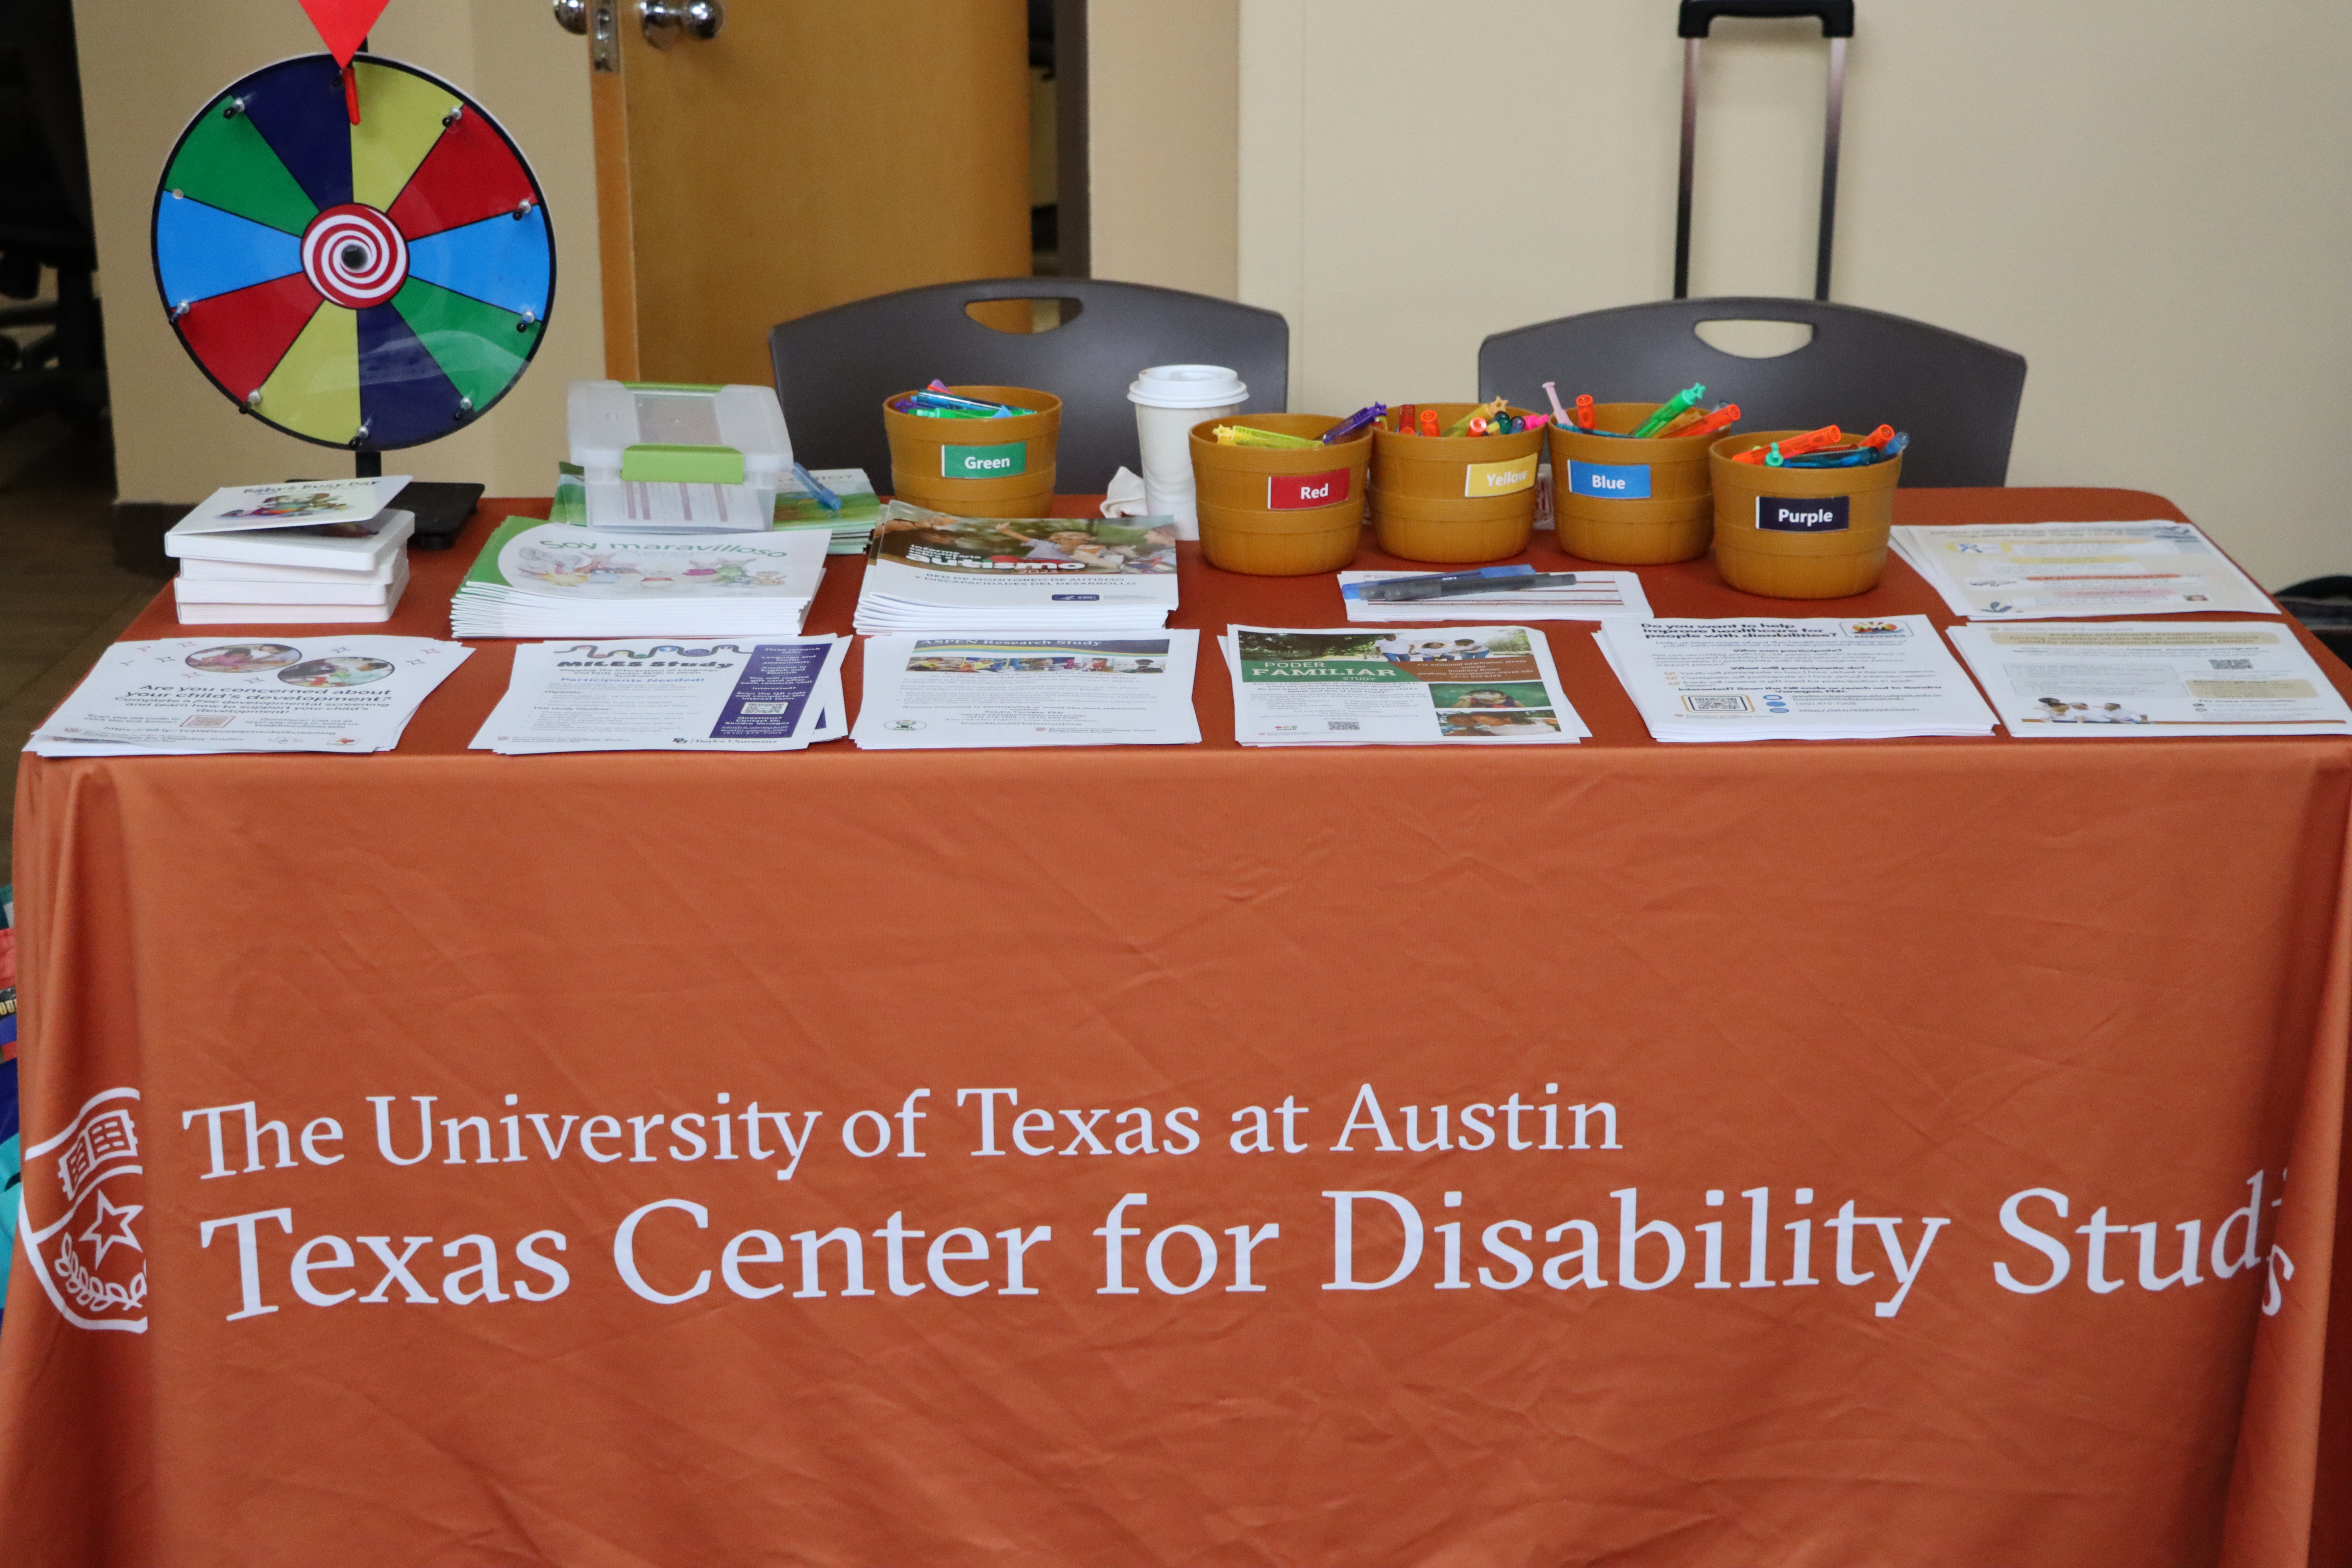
pixel 293 554
pixel 926 571
pixel 536 579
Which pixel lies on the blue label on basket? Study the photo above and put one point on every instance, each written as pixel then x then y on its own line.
pixel 1616 481
pixel 1818 514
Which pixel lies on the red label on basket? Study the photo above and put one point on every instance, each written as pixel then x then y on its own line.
pixel 1303 492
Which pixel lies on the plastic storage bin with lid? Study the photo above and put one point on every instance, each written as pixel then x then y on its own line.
pixel 675 459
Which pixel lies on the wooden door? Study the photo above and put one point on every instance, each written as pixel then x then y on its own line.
pixel 811 153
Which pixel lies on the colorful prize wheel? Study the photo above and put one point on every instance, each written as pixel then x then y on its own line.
pixel 370 286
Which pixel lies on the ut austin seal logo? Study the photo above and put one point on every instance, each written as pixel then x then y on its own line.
pixel 87 1258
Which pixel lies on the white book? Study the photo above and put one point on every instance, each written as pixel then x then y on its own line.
pixel 195 569
pixel 364 546
pixel 188 591
pixel 238 509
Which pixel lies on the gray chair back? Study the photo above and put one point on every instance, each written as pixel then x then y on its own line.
pixel 834 367
pixel 1957 397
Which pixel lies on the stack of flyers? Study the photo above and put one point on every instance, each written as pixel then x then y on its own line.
pixel 1816 679
pixel 1474 686
pixel 554 579
pixel 2148 678
pixel 191 696
pixel 2040 571
pixel 1491 594
pixel 775 695
pixel 927 570
pixel 924 692
pixel 847 529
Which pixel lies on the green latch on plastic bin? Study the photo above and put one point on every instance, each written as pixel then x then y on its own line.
pixel 657 464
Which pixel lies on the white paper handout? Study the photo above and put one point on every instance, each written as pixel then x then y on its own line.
pixel 924 693
pixel 654 695
pixel 183 695
pixel 1491 594
pixel 237 509
pixel 1423 686
pixel 927 570
pixel 554 579
pixel 2038 570
pixel 1816 679
pixel 2154 677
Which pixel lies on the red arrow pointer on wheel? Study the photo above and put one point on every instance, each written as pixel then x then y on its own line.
pixel 342 27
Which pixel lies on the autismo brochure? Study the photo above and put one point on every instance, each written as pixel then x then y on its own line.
pixel 548 579
pixel 925 692
pixel 654 695
pixel 187 696
pixel 1872 678
pixel 2044 571
pixel 2150 677
pixel 1474 686
pixel 926 571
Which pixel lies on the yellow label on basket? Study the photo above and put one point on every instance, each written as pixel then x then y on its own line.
pixel 1502 479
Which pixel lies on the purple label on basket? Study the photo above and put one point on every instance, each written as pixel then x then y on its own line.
pixel 1613 482
pixel 1817 514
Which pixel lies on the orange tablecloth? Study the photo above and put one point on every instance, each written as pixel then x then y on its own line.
pixel 440 1157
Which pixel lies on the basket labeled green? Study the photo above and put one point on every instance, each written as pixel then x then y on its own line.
pixel 976 468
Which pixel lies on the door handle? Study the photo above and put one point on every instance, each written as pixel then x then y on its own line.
pixel 664 20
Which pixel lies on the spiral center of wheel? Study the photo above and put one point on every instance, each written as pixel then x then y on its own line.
pixel 354 256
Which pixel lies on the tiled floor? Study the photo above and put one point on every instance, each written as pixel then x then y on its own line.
pixel 62 599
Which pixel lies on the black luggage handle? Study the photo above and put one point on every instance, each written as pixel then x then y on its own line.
pixel 1836 17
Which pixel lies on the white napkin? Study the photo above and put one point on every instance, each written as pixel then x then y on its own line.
pixel 1125 497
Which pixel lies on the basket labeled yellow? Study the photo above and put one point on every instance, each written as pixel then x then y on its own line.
pixel 1455 498
pixel 1279 512
pixel 1627 502
pixel 1800 533
pixel 977 467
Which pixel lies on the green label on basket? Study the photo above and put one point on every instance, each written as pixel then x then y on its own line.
pixel 1818 514
pixel 1504 478
pixel 1612 481
pixel 997 462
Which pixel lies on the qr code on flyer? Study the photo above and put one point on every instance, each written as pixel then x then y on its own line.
pixel 1719 704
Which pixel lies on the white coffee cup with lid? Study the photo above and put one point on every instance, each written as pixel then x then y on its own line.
pixel 1170 399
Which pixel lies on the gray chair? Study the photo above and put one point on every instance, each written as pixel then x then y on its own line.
pixel 1956 397
pixel 834 367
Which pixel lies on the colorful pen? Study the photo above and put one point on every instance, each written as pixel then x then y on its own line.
pixel 825 497
pixel 1722 419
pixel 1664 412
pixel 1250 436
pixel 1371 413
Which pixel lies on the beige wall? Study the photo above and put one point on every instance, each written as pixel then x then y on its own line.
pixel 148 65
pixel 1162 123
pixel 2146 198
